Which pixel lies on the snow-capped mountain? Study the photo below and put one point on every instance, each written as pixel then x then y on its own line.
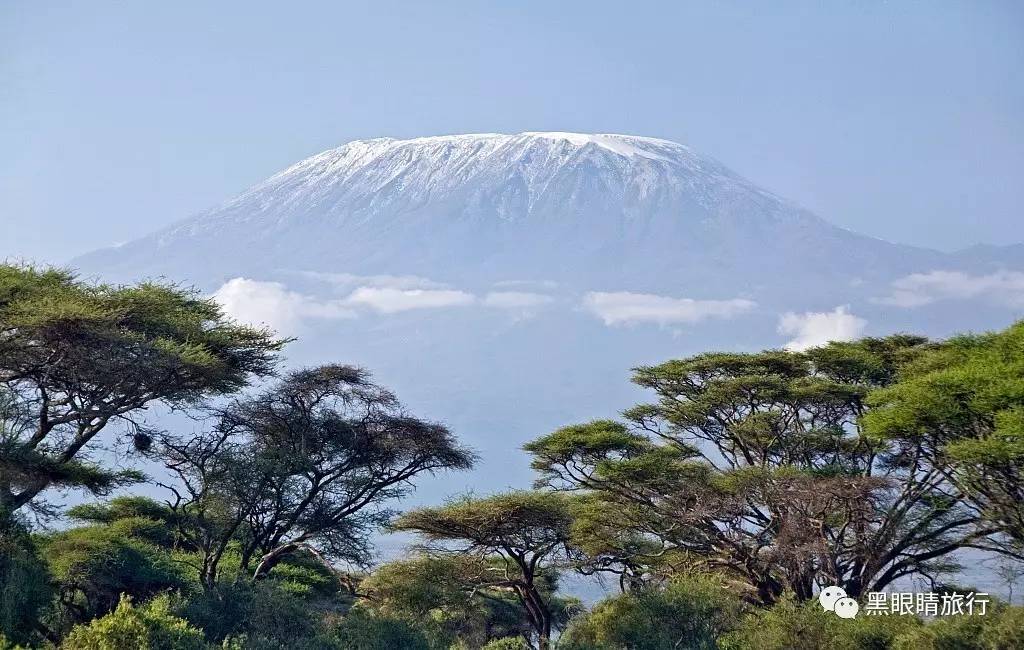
pixel 611 210
pixel 506 284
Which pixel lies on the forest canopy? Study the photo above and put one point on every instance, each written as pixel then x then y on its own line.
pixel 715 512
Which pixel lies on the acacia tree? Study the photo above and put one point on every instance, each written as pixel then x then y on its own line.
pixel 755 465
pixel 454 596
pixel 527 532
pixel 76 357
pixel 310 463
pixel 962 405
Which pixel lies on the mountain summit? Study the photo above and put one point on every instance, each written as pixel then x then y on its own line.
pixel 595 209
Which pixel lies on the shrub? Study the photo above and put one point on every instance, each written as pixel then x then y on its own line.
pixel 360 630
pixel 152 627
pixel 1002 628
pixel 253 610
pixel 95 565
pixel 793 626
pixel 690 612
pixel 1006 630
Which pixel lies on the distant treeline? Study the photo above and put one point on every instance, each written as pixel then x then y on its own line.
pixel 718 510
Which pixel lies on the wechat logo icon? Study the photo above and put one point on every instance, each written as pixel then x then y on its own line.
pixel 834 599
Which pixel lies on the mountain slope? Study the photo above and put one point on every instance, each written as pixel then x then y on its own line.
pixel 602 210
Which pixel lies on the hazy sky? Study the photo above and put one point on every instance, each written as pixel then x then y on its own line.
pixel 903 120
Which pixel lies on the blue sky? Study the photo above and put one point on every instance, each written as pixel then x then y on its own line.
pixel 903 120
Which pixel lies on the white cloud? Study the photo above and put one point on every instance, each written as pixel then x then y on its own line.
pixel 383 281
pixel 273 305
pixel 624 307
pixel 915 290
pixel 811 329
pixel 516 300
pixel 390 301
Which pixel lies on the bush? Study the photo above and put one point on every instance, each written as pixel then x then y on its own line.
pixel 252 610
pixel 690 612
pixel 792 626
pixel 1002 628
pixel 152 627
pixel 1006 630
pixel 361 630
pixel 95 565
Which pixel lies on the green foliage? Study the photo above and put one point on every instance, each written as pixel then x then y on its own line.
pixel 305 577
pixel 755 465
pixel 287 609
pixel 94 565
pixel 266 609
pixel 361 630
pixel 438 595
pixel 24 585
pixel 964 402
pixel 458 599
pixel 689 612
pixel 416 587
pixel 588 444
pixel 306 465
pixel 599 534
pixel 792 626
pixel 1005 631
pixel 1001 628
pixel 527 532
pixel 149 627
pixel 75 356
pixel 25 468
pixel 169 328
pixel 523 520
pixel 122 507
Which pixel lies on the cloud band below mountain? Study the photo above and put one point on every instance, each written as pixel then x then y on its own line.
pixel 387 300
pixel 274 305
pixel 627 308
pixel 919 289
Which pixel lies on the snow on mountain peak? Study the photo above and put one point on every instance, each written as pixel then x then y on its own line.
pixel 515 175
pixel 451 194
pixel 499 148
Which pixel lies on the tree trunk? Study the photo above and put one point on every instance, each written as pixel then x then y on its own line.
pixel 271 559
pixel 208 576
pixel 545 635
pixel 541 616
